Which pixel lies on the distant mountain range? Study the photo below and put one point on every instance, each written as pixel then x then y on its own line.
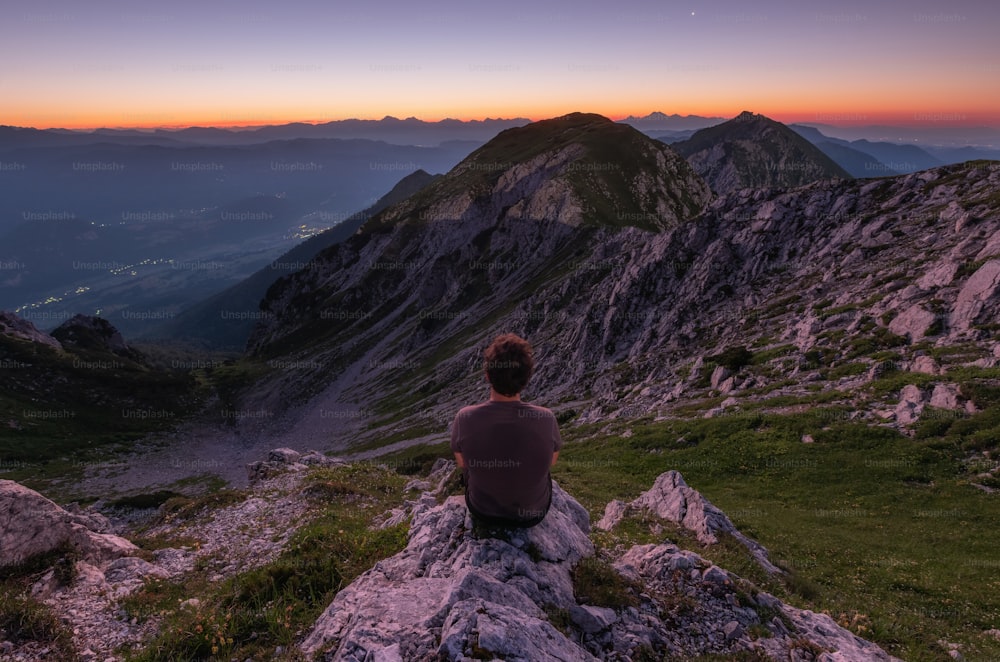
pixel 157 207
pixel 410 131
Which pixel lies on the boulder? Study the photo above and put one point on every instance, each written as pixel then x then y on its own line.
pixel 939 275
pixel 925 364
pixel 31 525
pixel 946 396
pixel 672 499
pixel 284 456
pixel 719 375
pixel 912 322
pixel 911 405
pixel 981 288
pixel 592 619
pixel 806 330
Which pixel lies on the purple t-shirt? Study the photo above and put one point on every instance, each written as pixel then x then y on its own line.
pixel 507 448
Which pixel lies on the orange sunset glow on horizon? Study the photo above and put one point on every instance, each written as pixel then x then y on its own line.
pixel 202 66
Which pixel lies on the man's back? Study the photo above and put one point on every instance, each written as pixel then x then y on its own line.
pixel 507 448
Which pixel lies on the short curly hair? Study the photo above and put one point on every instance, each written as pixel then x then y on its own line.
pixel 509 362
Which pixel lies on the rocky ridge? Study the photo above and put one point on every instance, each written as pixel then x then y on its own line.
pixel 815 277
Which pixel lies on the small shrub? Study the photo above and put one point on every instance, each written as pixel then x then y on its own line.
pixel 733 358
pixel 596 583
pixel 25 619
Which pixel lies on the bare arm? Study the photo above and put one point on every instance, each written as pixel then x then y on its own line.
pixel 555 456
pixel 460 461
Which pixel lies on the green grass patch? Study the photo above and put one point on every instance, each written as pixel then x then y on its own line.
pixel 252 613
pixel 25 619
pixel 880 530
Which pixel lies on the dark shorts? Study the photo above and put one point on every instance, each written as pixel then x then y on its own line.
pixel 503 522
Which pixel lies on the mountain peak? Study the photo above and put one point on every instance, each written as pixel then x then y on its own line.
pixel 755 151
pixel 577 169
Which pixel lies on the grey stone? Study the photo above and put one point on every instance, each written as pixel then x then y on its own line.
pixel 475 590
pixel 672 499
pixel 946 396
pixel 912 322
pixel 981 288
pixel 592 619
pixel 284 455
pixel 719 375
pixel 30 525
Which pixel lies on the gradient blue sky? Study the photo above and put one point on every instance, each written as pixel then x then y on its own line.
pixel 117 63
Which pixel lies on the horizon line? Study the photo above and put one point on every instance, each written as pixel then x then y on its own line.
pixel 839 120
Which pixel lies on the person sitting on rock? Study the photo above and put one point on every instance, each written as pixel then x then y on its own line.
pixel 504 446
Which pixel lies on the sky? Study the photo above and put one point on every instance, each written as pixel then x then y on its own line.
pixel 117 63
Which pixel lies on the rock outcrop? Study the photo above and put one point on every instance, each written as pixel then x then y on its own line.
pixel 980 293
pixel 280 460
pixel 31 525
pixel 17 327
pixel 454 593
pixel 458 593
pixel 95 333
pixel 670 498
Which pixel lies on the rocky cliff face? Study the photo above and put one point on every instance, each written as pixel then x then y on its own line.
pixel 753 151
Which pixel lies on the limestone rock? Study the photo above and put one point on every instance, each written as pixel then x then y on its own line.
pixel 946 396
pixel 672 499
pixel 911 404
pixel 913 322
pixel 938 276
pixel 284 456
pixel 451 592
pixel 719 375
pixel 30 525
pixel 925 364
pixel 714 610
pixel 280 460
pixel 982 288
pixel 592 619
pixel 805 332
